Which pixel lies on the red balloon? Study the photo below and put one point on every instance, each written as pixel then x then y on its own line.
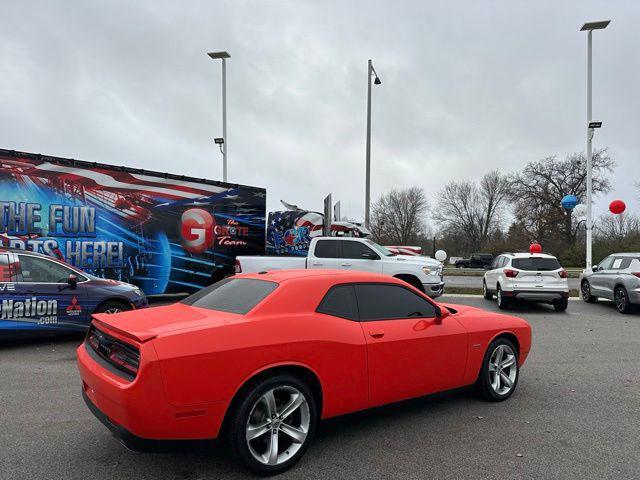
pixel 617 207
pixel 535 248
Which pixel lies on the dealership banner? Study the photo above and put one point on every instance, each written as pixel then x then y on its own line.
pixel 165 233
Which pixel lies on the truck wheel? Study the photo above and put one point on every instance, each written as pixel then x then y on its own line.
pixel 413 281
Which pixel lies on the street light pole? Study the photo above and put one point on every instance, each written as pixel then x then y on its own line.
pixel 224 145
pixel 371 72
pixel 590 27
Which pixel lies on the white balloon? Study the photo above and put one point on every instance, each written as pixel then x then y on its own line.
pixel 441 255
pixel 580 210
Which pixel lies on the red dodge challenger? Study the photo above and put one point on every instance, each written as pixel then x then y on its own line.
pixel 261 358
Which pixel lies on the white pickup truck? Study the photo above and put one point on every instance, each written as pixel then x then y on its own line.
pixel 347 253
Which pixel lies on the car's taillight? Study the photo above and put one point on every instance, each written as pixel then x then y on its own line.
pixel 121 355
pixel 510 273
pixel 125 360
pixel 238 267
pixel 637 274
pixel 563 273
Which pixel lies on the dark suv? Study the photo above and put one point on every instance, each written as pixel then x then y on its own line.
pixel 477 260
pixel 41 294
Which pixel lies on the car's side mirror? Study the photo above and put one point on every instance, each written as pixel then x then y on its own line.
pixel 594 268
pixel 72 280
pixel 441 314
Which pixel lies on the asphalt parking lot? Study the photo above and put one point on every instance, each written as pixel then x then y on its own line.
pixel 575 414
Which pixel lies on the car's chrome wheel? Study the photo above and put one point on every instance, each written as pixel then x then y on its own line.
pixel 503 369
pixel 113 310
pixel 278 425
pixel 621 300
pixel 585 290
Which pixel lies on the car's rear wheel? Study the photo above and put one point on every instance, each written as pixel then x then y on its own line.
pixel 585 290
pixel 621 298
pixel 499 373
pixel 561 305
pixel 503 303
pixel 485 291
pixel 273 424
pixel 112 306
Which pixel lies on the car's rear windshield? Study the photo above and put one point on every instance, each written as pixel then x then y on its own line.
pixel 538 264
pixel 235 295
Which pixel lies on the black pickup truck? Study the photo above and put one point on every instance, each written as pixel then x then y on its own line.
pixel 476 260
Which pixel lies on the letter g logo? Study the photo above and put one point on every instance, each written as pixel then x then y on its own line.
pixel 197 230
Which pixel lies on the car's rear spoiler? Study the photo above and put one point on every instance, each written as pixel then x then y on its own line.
pixel 140 336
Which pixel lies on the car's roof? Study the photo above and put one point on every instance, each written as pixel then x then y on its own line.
pixel 340 275
pixel 625 254
pixel 528 255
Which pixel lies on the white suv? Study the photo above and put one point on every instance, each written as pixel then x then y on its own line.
pixel 535 277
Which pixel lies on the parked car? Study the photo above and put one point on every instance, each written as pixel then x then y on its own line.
pixel 533 277
pixel 616 278
pixel 269 355
pixel 40 294
pixel 477 260
pixel 350 253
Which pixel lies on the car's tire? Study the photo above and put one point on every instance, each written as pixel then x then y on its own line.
pixel 413 281
pixel 112 306
pixel 585 292
pixel 561 305
pixel 485 291
pixel 269 398
pixel 499 372
pixel 621 300
pixel 503 303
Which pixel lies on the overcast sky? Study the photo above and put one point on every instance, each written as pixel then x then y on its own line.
pixel 467 87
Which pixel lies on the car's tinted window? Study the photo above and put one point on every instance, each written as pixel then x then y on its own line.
pixel 340 301
pixel 41 270
pixel 539 264
pixel 356 249
pixel 235 295
pixel 379 302
pixel 496 262
pixel 326 249
pixel 5 269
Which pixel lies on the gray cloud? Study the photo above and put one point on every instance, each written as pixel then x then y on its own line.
pixel 467 87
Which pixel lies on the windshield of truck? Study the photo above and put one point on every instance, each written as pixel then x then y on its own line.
pixel 378 248
pixel 234 295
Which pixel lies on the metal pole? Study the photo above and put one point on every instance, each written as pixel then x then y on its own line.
pixel 589 156
pixel 224 120
pixel 367 195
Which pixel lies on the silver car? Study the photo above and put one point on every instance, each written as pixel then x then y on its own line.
pixel 616 278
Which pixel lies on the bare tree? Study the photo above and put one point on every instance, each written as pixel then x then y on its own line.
pixel 537 190
pixel 472 212
pixel 617 228
pixel 399 217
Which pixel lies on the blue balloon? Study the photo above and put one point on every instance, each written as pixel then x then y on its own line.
pixel 569 202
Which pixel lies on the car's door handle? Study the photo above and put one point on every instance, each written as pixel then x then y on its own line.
pixel 345 264
pixel 376 333
pixel 317 264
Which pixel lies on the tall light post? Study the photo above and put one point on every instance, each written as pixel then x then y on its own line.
pixel 590 27
pixel 371 72
pixel 224 145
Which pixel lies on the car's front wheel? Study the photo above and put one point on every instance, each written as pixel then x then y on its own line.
pixel 585 290
pixel 112 306
pixel 499 373
pixel 273 423
pixel 621 298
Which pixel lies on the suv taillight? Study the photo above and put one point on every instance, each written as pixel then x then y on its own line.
pixel 510 273
pixel 563 273
pixel 637 274
pixel 237 266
